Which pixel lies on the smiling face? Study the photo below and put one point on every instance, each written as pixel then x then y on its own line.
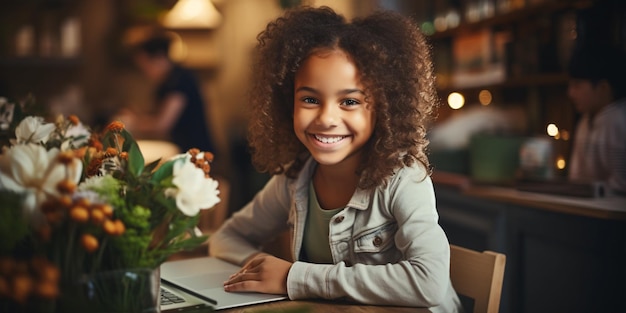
pixel 331 115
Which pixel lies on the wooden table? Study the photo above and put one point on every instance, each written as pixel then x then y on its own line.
pixel 319 306
pixel 611 207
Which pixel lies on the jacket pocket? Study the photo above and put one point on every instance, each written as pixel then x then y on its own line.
pixel 377 240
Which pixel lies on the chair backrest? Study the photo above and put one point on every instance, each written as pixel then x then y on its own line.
pixel 478 275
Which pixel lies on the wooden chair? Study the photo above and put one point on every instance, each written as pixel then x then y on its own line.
pixel 478 275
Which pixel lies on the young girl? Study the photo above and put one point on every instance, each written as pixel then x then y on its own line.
pixel 339 120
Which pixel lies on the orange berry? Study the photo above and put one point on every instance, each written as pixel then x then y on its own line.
pixel 120 228
pixel 107 210
pixel 22 286
pixel 79 214
pixel 66 157
pixel 97 216
pixel 73 119
pixel 89 242
pixel 194 151
pixel 208 156
pixel 110 152
pixel 109 227
pixel 66 186
pixel 47 289
pixel 115 126
pixel 50 273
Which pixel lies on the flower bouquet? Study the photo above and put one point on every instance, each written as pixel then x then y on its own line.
pixel 78 206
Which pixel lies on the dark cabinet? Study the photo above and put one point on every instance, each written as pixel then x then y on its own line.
pixel 556 262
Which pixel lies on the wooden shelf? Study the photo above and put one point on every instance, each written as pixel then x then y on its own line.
pixel 546 8
pixel 41 62
pixel 543 79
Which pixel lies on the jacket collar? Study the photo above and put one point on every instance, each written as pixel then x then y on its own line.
pixel 300 187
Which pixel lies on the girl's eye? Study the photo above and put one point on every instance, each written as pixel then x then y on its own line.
pixel 350 102
pixel 310 100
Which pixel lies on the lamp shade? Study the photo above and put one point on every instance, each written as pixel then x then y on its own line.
pixel 192 14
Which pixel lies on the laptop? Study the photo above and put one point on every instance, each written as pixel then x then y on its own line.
pixel 199 282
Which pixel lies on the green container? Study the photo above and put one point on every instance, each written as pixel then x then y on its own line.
pixel 494 158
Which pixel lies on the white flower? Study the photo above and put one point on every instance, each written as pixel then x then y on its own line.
pixel 32 129
pixel 78 136
pixel 194 191
pixel 35 172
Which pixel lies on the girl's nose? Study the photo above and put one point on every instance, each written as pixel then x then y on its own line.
pixel 328 115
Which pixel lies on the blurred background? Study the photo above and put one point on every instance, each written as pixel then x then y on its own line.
pixel 501 70
pixel 501 64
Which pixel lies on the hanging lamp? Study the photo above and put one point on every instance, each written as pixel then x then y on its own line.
pixel 192 14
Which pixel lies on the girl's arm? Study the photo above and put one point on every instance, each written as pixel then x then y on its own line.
pixel 241 236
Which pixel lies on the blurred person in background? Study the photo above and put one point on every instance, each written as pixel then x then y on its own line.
pixel 179 111
pixel 598 90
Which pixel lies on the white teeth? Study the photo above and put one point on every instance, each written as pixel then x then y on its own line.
pixel 329 139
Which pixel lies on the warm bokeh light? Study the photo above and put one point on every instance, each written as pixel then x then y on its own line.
pixel 440 23
pixel 178 48
pixel 192 14
pixel 428 28
pixel 552 130
pixel 456 100
pixel 564 134
pixel 560 163
pixel 485 97
pixel 453 19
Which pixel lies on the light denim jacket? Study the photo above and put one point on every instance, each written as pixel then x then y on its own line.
pixel 387 245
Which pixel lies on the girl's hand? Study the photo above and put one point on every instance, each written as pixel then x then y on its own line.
pixel 263 273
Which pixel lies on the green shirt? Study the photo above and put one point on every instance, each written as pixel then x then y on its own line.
pixel 315 244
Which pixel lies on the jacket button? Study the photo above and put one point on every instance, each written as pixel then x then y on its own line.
pixel 377 241
pixel 339 219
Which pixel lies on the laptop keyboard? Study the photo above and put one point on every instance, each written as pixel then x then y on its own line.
pixel 170 298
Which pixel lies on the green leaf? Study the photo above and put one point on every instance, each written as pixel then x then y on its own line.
pixel 136 161
pixel 166 170
pixel 180 224
pixel 151 166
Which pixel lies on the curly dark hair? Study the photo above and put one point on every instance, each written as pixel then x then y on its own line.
pixel 395 66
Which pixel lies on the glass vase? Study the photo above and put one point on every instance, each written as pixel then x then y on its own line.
pixel 128 290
